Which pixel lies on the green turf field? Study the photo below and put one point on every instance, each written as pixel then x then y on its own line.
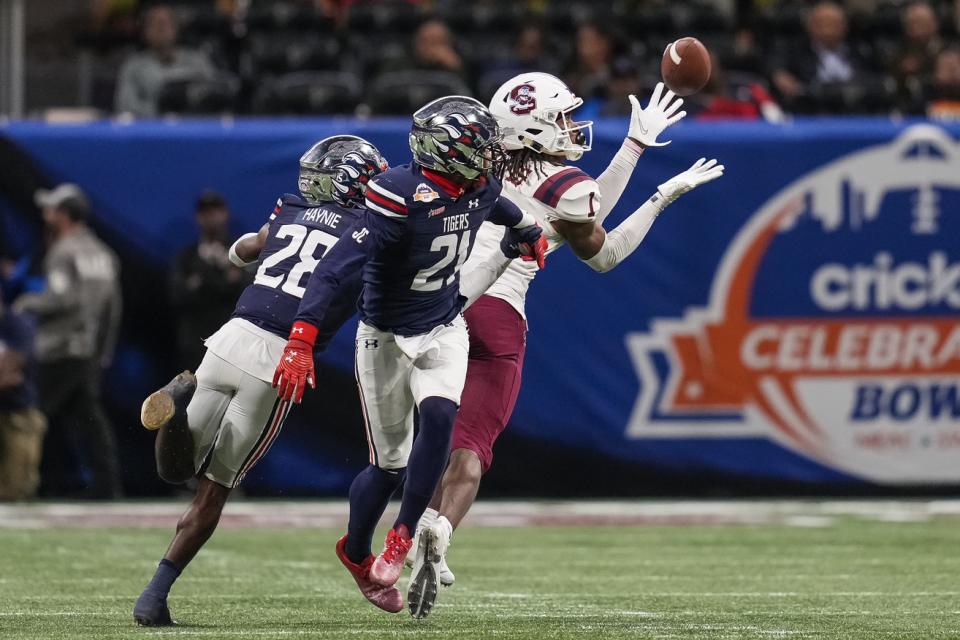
pixel 854 579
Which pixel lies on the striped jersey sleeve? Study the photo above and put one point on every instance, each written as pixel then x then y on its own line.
pixel 276 209
pixel 570 194
pixel 381 197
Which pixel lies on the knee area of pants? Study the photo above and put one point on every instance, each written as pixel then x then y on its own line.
pixel 438 407
pixel 394 476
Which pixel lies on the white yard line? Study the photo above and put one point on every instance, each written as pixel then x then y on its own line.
pixel 332 514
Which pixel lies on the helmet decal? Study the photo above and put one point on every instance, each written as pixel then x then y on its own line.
pixel 522 99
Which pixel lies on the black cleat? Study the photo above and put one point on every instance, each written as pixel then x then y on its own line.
pixel 162 406
pixel 151 610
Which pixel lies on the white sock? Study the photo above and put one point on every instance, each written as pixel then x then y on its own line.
pixel 443 522
pixel 429 517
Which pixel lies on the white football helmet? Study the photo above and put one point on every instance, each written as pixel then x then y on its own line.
pixel 534 109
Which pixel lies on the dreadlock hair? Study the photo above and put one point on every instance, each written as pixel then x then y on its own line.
pixel 522 162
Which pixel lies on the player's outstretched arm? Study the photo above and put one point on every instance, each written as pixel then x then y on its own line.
pixel 646 125
pixel 246 250
pixel 603 251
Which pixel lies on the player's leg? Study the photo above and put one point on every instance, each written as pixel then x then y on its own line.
pixel 382 371
pixel 497 344
pixel 165 411
pixel 437 383
pixel 246 427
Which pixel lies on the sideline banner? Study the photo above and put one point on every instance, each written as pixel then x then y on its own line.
pixel 798 319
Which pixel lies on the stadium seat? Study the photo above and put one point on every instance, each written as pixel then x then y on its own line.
pixel 200 97
pixel 310 92
pixel 284 52
pixel 386 17
pixel 403 92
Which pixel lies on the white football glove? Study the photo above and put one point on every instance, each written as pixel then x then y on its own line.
pixel 661 112
pixel 700 173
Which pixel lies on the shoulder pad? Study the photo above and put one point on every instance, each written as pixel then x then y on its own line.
pixel 383 196
pixel 571 194
pixel 552 189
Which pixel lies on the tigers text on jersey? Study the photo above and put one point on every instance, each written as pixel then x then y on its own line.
pixel 300 235
pixel 558 193
pixel 416 234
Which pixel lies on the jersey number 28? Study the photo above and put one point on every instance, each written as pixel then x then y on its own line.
pixel 300 240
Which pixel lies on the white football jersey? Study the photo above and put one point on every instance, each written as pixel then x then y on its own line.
pixel 558 193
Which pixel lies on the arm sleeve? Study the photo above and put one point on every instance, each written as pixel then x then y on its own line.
pixel 615 177
pixel 128 98
pixel 369 235
pixel 623 240
pixel 111 330
pixel 474 283
pixel 507 214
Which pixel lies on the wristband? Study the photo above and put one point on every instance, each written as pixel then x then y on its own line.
pixel 304 331
pixel 234 256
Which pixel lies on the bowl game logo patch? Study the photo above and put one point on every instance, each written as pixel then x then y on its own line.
pixel 424 193
pixel 821 333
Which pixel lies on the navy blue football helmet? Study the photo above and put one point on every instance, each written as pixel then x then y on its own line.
pixel 457 135
pixel 337 169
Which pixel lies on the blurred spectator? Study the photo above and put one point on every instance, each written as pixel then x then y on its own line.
pixel 914 61
pixel 614 100
pixel 144 74
pixel 744 53
pixel 432 50
pixel 78 318
pixel 21 424
pixel 204 285
pixel 944 103
pixel 733 97
pixel 825 59
pixel 528 53
pixel 591 65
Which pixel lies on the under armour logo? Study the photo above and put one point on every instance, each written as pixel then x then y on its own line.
pixel 473 204
pixel 360 235
pixel 298 330
pixel 371 343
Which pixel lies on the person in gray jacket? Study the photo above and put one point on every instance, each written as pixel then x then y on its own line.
pixel 144 73
pixel 78 318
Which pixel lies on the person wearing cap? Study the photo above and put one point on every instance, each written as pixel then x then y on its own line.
pixel 22 425
pixel 204 284
pixel 78 317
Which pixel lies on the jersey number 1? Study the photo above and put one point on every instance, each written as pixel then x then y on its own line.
pixel 306 243
pixel 448 244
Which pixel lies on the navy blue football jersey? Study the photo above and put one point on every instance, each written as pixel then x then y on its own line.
pixel 300 236
pixel 416 233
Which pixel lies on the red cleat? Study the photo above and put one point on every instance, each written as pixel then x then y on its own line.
pixel 387 598
pixel 388 566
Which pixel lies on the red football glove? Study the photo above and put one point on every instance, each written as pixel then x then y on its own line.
pixel 537 251
pixel 295 370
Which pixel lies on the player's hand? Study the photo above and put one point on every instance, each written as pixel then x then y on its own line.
pixel 661 112
pixel 295 369
pixel 527 243
pixel 702 172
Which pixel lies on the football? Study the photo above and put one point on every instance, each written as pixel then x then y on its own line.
pixel 685 66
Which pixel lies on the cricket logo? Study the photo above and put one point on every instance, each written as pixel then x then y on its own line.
pixel 821 332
